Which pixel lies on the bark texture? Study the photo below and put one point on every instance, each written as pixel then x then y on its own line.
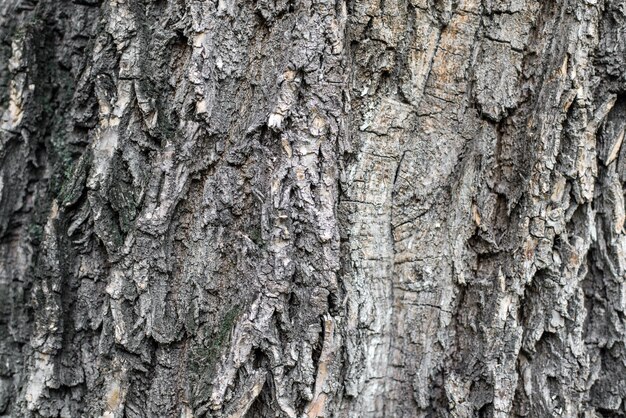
pixel 312 208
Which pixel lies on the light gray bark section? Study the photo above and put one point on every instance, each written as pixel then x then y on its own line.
pixel 401 208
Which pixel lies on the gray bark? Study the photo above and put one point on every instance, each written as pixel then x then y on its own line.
pixel 312 208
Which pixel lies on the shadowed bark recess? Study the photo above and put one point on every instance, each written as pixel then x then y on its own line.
pixel 312 208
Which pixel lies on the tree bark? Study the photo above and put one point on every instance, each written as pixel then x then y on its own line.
pixel 312 208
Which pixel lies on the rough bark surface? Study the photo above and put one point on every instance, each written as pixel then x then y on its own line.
pixel 312 208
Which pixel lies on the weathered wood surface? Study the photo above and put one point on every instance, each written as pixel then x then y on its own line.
pixel 307 208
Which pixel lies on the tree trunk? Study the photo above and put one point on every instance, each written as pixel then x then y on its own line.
pixel 312 208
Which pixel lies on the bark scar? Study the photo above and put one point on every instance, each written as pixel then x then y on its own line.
pixel 315 407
